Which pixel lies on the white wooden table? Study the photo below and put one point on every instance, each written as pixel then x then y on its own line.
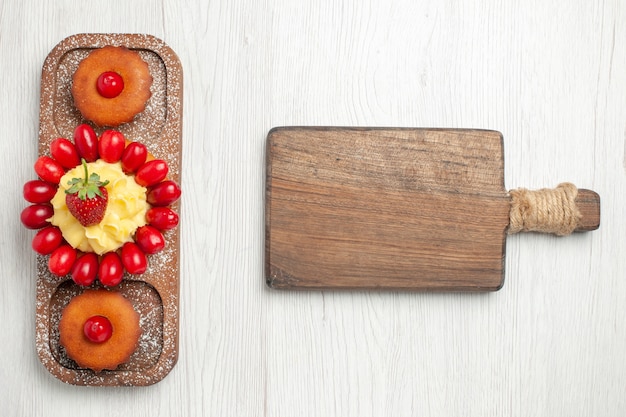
pixel 550 75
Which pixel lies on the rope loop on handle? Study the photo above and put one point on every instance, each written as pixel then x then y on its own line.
pixel 546 210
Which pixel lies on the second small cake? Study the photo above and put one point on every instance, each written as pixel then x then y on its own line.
pixel 99 329
pixel 111 86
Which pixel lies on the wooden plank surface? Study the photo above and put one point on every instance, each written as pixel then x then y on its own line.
pixel 385 208
pixel 549 75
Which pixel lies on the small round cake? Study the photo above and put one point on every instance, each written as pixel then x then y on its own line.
pixel 111 86
pixel 99 329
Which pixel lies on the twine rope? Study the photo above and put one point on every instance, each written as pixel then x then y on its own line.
pixel 546 210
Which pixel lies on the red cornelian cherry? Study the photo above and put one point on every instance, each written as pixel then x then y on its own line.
pixel 36 216
pixel 98 329
pixel 111 146
pixel 38 191
pixel 47 240
pixel 163 218
pixel 110 84
pixel 85 269
pixel 163 194
pixel 149 239
pixel 111 269
pixel 151 173
pixel 86 142
pixel 134 259
pixel 133 157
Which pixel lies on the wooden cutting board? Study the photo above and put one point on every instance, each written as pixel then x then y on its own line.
pixel 377 208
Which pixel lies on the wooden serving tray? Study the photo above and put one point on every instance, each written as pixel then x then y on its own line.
pixel 154 294
pixel 389 208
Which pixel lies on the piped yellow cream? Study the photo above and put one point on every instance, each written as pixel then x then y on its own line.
pixel 125 212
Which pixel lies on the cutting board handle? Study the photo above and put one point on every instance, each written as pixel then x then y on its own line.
pixel 560 211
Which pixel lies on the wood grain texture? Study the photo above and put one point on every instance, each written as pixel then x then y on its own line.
pixel 383 208
pixel 588 203
pixel 390 208
pixel 551 76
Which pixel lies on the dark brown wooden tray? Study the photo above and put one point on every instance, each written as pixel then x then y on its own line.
pixel 154 294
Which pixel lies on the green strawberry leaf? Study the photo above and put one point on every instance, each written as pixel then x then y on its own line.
pixel 87 187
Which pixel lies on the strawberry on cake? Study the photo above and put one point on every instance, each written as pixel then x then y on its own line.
pixel 99 216
pixel 101 206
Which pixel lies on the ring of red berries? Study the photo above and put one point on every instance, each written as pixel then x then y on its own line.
pixel 86 199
